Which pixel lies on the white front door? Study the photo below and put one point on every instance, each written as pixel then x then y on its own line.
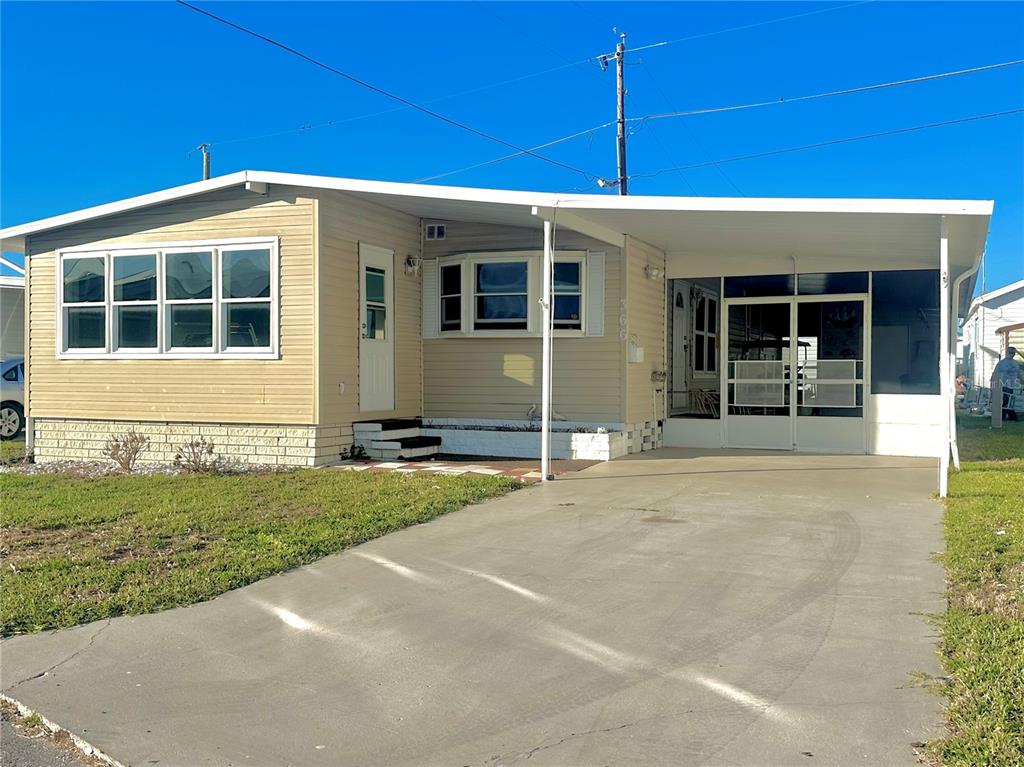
pixel 376 329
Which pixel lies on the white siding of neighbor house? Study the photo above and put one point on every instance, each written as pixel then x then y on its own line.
pixel 12 322
pixel 646 322
pixel 500 377
pixel 343 221
pixel 278 391
pixel 983 346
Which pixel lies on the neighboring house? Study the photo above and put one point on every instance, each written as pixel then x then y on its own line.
pixel 986 330
pixel 285 316
pixel 12 313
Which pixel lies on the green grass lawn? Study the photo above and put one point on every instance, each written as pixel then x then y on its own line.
pixel 12 450
pixel 983 629
pixel 77 549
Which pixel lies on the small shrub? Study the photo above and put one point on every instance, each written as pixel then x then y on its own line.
pixel 126 449
pixel 353 453
pixel 196 457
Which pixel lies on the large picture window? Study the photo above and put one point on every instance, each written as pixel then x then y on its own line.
pixel 501 295
pixel 172 300
pixel 905 324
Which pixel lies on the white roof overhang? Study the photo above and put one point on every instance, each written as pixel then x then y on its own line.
pixel 853 232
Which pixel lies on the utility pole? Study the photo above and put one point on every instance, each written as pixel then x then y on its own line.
pixel 205 149
pixel 620 90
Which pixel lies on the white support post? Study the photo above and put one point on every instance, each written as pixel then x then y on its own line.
pixel 545 315
pixel 945 383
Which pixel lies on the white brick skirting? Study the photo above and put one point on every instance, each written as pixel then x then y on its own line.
pixel 643 436
pixel 592 446
pixel 71 439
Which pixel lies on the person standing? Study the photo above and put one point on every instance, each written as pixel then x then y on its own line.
pixel 1008 372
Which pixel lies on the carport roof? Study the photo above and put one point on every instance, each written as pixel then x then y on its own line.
pixel 707 225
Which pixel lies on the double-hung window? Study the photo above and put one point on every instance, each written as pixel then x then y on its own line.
pixel 451 297
pixel 84 303
pixel 188 291
pixel 567 286
pixel 135 303
pixel 185 299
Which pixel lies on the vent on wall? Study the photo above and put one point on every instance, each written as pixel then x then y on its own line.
pixel 435 231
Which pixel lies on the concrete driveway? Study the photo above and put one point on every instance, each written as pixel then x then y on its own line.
pixel 670 609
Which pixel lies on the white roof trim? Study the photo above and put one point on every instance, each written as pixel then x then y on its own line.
pixel 8 281
pixel 11 236
pixel 985 297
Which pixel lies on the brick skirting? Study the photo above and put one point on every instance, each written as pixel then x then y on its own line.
pixel 69 439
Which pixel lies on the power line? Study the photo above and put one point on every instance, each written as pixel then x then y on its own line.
pixel 833 142
pixel 381 91
pixel 692 134
pixel 381 112
pixel 754 24
pixel 842 92
pixel 496 160
pixel 713 162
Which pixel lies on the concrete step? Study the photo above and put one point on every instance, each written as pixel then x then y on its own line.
pixel 407 455
pixel 387 424
pixel 406 447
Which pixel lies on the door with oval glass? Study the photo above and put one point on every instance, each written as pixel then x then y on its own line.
pixel 376 329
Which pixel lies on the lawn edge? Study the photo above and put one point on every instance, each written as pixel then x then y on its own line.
pixel 86 748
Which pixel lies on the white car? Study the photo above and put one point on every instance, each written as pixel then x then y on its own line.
pixel 12 397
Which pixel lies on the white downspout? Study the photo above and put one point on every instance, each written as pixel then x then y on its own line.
pixel 545 314
pixel 944 367
pixel 954 313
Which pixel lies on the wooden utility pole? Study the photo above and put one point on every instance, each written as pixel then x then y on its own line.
pixel 205 149
pixel 620 90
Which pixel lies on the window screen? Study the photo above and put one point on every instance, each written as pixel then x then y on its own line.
pixel 905 332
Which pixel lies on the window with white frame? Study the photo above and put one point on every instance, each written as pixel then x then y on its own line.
pixel 705 334
pixel 451 297
pixel 178 299
pixel 501 295
pixel 567 286
pixel 496 293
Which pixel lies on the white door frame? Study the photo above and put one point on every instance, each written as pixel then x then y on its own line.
pixel 377 356
pixel 793 302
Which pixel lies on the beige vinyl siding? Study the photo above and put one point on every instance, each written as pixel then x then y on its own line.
pixel 645 317
pixel 211 390
pixel 500 377
pixel 343 222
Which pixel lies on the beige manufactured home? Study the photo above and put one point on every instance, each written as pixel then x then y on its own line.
pixel 288 317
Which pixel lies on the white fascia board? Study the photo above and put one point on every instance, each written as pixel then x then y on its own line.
pixel 8 281
pixel 14 233
pixel 582 225
pixel 997 293
pixel 782 205
pixel 13 237
pixel 611 202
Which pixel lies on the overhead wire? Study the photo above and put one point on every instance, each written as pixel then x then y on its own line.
pixel 833 142
pixel 844 91
pixel 380 113
pixel 691 133
pixel 382 91
pixel 828 94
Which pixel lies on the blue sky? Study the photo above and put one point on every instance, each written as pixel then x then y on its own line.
pixel 104 100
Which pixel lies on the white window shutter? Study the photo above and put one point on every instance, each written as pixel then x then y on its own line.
pixel 431 299
pixel 595 294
